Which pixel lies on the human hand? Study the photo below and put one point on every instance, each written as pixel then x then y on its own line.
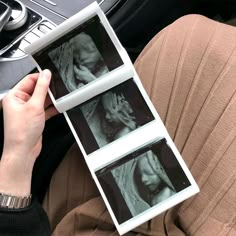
pixel 24 119
pixel 83 74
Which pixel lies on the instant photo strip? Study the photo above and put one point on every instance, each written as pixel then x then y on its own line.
pixel 135 164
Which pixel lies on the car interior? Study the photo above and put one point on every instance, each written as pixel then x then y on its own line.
pixel 135 23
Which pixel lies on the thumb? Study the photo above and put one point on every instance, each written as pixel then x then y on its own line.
pixel 41 88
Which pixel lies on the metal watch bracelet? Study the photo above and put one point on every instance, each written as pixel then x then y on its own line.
pixel 14 202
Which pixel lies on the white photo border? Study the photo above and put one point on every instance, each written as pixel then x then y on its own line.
pixel 101 84
pixel 150 132
pixel 141 218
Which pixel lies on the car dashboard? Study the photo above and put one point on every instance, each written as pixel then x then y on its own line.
pixel 42 17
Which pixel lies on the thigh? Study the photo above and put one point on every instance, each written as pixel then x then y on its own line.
pixel 189 72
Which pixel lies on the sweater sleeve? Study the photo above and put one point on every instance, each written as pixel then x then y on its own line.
pixel 28 221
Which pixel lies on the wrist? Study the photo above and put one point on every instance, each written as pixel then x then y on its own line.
pixel 15 178
pixel 14 202
pixel 17 160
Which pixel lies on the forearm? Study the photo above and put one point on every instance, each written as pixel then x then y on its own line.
pixel 25 109
pixel 15 178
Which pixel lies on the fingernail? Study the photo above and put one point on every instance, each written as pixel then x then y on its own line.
pixel 47 74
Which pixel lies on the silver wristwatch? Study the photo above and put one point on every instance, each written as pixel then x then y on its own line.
pixel 14 202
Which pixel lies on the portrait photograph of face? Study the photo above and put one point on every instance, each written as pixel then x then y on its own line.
pixel 140 181
pixel 110 116
pixel 79 57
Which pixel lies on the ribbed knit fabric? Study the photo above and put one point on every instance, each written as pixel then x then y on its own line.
pixel 189 71
pixel 30 221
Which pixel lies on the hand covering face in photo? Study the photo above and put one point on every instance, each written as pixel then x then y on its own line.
pixel 78 61
pixel 88 62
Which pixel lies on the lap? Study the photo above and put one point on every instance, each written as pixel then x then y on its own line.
pixel 188 71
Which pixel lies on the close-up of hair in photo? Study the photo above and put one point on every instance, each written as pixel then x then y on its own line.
pixel 118 116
